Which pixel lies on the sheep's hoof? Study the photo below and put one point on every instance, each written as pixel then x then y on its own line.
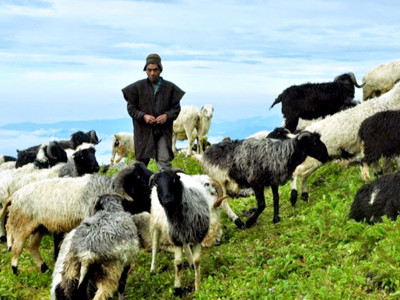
pixel 43 268
pixel 239 223
pixel 304 196
pixel 3 239
pixel 9 249
pixel 276 219
pixel 250 222
pixel 293 197
pixel 15 270
pixel 178 292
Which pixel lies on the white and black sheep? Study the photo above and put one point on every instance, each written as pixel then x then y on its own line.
pixel 314 100
pixel 43 156
pixel 376 199
pixel 380 137
pixel 122 145
pixel 381 79
pixel 339 133
pixel 84 162
pixel 257 164
pixel 60 204
pixel 97 255
pixel 180 210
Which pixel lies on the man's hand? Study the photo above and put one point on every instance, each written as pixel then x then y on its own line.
pixel 149 119
pixel 161 119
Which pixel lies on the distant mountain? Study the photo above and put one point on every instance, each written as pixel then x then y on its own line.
pixel 235 129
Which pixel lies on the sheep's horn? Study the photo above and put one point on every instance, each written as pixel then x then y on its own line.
pixel 220 193
pixel 48 151
pixel 124 195
pixel 303 134
pixel 353 78
pixel 93 137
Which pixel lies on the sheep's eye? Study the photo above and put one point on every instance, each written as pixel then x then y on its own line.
pixel 207 184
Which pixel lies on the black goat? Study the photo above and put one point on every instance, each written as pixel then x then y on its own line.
pixel 256 164
pixel 313 100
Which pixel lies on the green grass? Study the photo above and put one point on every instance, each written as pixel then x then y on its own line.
pixel 315 252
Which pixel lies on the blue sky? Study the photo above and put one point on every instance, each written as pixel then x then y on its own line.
pixel 68 60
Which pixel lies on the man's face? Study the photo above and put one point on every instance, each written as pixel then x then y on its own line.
pixel 153 72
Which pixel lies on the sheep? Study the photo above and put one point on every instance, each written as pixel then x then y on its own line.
pixel 43 156
pixel 6 158
pixel 381 79
pixel 380 137
pixel 84 162
pixel 339 133
pixel 122 145
pixel 278 133
pixel 313 100
pixel 98 253
pixel 260 163
pixel 192 123
pixel 60 204
pixel 376 199
pixel 7 166
pixel 180 210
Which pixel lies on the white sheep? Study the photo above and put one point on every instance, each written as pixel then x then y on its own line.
pixel 171 192
pixel 122 145
pixel 192 123
pixel 339 133
pixel 381 79
pixel 97 255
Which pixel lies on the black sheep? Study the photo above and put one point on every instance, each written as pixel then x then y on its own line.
pixel 313 100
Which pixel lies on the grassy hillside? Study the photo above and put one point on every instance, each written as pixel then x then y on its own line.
pixel 315 252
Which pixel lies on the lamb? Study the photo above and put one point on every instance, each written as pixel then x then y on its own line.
pixel 260 163
pixel 376 199
pixel 122 145
pixel 84 162
pixel 380 137
pixel 180 209
pixel 98 253
pixel 381 79
pixel 339 133
pixel 192 123
pixel 59 205
pixel 314 100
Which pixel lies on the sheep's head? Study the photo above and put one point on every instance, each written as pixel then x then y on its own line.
pixel 313 146
pixel 85 161
pixel 349 78
pixel 108 202
pixel 169 187
pixel 207 110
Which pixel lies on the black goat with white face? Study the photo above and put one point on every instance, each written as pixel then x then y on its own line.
pixel 256 164
pixel 313 100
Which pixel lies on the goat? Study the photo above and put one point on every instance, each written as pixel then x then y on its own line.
pixel 314 100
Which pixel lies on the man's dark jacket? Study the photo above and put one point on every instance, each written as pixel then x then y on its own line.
pixel 140 101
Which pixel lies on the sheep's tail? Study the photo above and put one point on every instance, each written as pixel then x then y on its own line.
pixel 277 100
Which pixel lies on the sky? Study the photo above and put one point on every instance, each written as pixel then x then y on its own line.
pixel 66 60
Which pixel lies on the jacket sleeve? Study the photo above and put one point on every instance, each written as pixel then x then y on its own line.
pixel 175 109
pixel 131 96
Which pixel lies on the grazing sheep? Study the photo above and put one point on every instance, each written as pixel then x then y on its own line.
pixel 376 199
pixel 314 100
pixel 122 145
pixel 180 210
pixel 380 137
pixel 257 164
pixel 339 133
pixel 60 204
pixel 381 79
pixel 98 253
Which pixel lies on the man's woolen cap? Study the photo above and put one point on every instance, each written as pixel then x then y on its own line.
pixel 153 59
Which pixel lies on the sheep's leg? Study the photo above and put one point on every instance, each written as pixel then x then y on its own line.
pixel 17 247
pixel 173 143
pixel 112 157
pixel 178 268
pixel 3 219
pixel 275 194
pixel 196 262
pixel 107 285
pixel 190 147
pixel 188 253
pixel 234 217
pixel 57 238
pixel 119 158
pixel 259 192
pixel 156 245
pixel 364 171
pixel 34 250
pixel 293 194
pixel 122 283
